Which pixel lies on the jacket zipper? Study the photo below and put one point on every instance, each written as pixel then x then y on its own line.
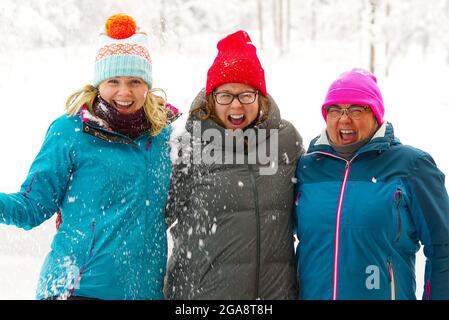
pixel 397 201
pixel 256 206
pixel 338 220
pixel 392 285
pixel 337 233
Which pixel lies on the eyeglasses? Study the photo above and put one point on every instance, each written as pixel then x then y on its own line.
pixel 243 97
pixel 354 112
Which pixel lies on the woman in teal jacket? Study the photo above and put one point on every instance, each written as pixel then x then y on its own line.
pixel 365 202
pixel 105 167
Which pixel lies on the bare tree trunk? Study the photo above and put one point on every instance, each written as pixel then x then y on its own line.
pixel 275 21
pixel 387 40
pixel 177 25
pixel 361 27
pixel 372 47
pixel 260 20
pixel 425 45
pixel 289 24
pixel 313 28
pixel 163 24
pixel 281 25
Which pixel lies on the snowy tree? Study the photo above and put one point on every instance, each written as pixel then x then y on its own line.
pixel 380 31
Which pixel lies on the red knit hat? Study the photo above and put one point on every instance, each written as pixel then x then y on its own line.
pixel 236 62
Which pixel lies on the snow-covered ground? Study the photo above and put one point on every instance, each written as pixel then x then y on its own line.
pixel 35 84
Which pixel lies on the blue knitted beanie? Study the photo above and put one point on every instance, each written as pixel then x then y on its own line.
pixel 123 51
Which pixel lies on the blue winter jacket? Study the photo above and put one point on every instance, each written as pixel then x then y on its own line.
pixel 360 222
pixel 111 192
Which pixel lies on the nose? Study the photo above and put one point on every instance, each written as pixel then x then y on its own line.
pixel 124 90
pixel 235 103
pixel 345 115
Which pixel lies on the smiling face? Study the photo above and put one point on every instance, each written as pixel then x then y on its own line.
pixel 236 115
pixel 125 94
pixel 345 130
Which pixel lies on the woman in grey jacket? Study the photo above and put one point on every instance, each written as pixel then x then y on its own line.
pixel 232 188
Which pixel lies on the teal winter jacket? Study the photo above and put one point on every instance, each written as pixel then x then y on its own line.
pixel 111 192
pixel 360 222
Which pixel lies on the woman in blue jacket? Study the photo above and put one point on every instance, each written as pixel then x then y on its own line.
pixel 105 168
pixel 365 202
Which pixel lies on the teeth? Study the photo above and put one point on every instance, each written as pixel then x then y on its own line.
pixel 124 103
pixel 347 131
pixel 234 116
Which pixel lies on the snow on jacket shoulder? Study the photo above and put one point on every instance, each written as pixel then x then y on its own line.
pixel 359 223
pixel 112 242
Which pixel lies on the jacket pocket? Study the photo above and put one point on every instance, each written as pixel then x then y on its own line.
pixel 391 278
pixel 397 212
pixel 90 251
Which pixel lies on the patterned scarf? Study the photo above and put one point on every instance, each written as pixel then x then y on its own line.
pixel 131 125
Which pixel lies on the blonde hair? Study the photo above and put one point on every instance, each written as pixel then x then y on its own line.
pixel 154 106
pixel 207 110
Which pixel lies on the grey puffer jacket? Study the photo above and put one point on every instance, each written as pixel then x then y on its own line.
pixel 233 235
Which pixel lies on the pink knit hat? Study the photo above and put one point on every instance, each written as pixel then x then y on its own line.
pixel 357 86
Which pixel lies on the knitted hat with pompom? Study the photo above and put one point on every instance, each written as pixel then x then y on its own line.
pixel 123 51
pixel 236 62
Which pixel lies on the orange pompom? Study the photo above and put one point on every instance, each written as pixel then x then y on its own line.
pixel 120 26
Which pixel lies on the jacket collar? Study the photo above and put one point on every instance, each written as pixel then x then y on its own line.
pixel 97 127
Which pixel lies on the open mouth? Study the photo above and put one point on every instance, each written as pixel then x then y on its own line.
pixel 123 105
pixel 236 120
pixel 347 136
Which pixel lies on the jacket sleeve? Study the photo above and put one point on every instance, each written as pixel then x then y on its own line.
pixel 180 184
pixel 296 196
pixel 42 192
pixel 300 151
pixel 430 211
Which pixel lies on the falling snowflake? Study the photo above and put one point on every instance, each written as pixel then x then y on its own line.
pixel 285 156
